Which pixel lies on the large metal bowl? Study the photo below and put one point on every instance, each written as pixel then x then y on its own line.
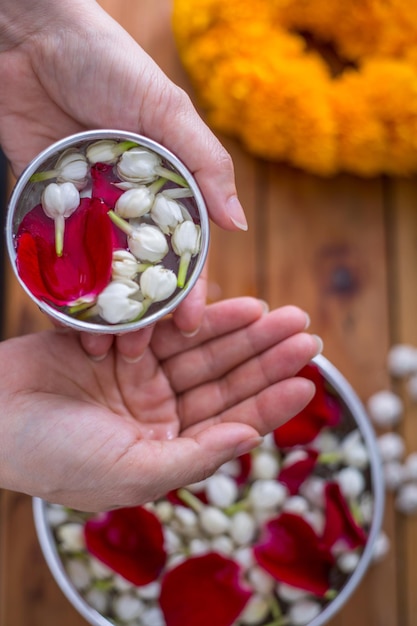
pixel 357 411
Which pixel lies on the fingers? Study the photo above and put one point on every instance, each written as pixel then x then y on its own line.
pixel 183 132
pixel 216 356
pixel 131 346
pixel 238 396
pixel 96 346
pixel 189 315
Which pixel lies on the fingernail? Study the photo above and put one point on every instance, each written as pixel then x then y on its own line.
pixel 308 321
pixel 132 359
pixel 246 446
pixel 98 357
pixel 265 306
pixel 191 333
pixel 236 213
pixel 319 341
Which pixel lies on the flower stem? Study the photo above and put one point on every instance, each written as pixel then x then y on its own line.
pixel 120 222
pixel 170 175
pixel 183 268
pixel 59 234
pixel 157 185
pixel 40 176
pixel 178 192
pixel 125 145
pixel 188 498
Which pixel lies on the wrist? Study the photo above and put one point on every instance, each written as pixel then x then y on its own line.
pixel 22 19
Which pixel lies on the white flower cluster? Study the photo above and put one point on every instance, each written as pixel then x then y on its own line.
pixel 157 225
pixel 228 520
pixel 386 409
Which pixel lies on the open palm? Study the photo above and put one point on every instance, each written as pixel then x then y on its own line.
pixel 96 435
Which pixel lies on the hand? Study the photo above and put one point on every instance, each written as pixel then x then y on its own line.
pixel 67 67
pixel 95 435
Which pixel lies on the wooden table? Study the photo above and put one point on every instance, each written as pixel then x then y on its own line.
pixel 345 250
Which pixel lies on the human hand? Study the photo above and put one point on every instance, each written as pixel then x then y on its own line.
pixel 95 435
pixel 68 67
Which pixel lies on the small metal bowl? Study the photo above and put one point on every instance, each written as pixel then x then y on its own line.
pixel 359 419
pixel 26 195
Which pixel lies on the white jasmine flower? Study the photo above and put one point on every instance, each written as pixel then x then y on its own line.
pixel 290 594
pixel 402 360
pixel 255 611
pixel 168 213
pixel 135 202
pixel 187 519
pixel 242 528
pixel 56 515
pixel 115 303
pixel 260 580
pixel 186 242
pixel 348 561
pixel 312 489
pixel 303 612
pixel 121 584
pixel 265 465
pixel 385 408
pixel 351 482
pixel 296 504
pixel 222 544
pixel 153 617
pixel 127 606
pixel 171 539
pixel 58 202
pixel 267 494
pixel 213 521
pixel 138 165
pixel 406 501
pixel 78 573
pixel 354 450
pixel 164 511
pixel 391 447
pixel 381 547
pixel 98 569
pixel 150 591
pixel 148 243
pixel 71 537
pixel 221 490
pixel 244 556
pixel 107 150
pixel 199 546
pixel 124 265
pixel 98 599
pixel 158 283
pixel 326 442
pixel 394 474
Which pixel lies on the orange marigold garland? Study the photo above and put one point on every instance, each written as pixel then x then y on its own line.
pixel 259 79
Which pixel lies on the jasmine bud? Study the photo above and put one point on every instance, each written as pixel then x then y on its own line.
pixel 134 202
pixel 186 244
pixel 138 165
pixel 115 303
pixel 147 243
pixel 168 213
pixel 58 202
pixel 158 283
pixel 107 150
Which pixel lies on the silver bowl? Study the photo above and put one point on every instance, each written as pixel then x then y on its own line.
pixel 353 404
pixel 26 195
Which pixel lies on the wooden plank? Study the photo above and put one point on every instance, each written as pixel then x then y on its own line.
pixel 324 250
pixel 403 258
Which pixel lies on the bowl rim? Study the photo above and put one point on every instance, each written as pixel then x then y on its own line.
pixel 356 407
pixel 94 135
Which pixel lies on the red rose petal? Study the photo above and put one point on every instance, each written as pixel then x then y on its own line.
pixel 204 591
pixel 84 268
pixel 129 541
pixel 295 474
pixel 340 524
pixel 292 553
pixel 104 178
pixel 323 410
